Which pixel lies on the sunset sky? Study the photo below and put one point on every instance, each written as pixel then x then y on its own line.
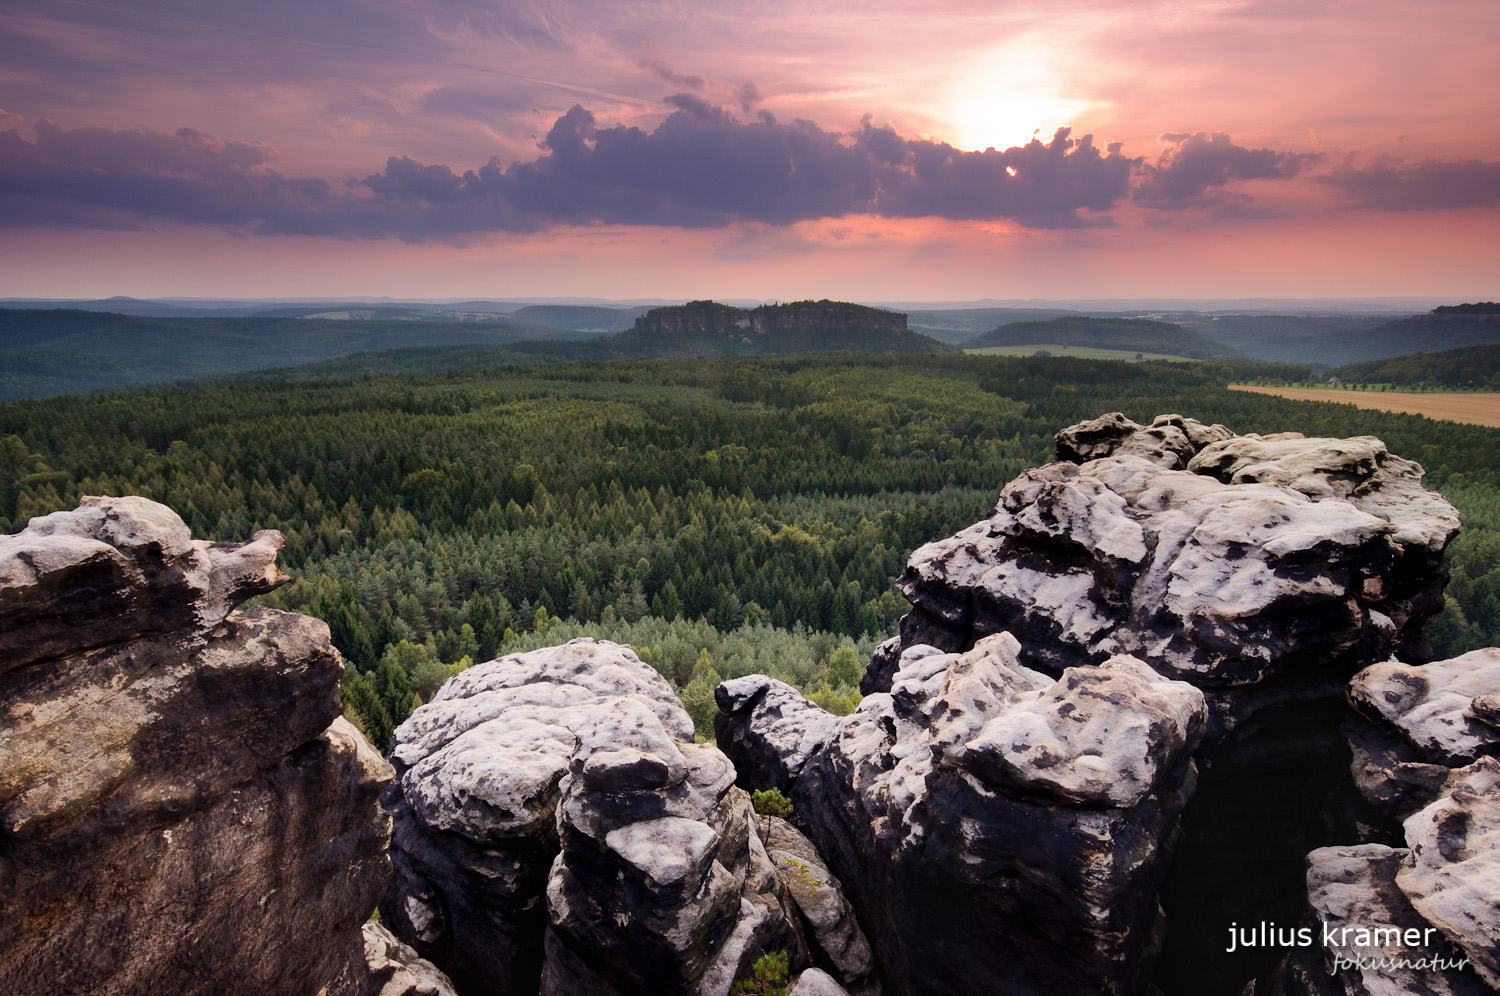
pixel 943 150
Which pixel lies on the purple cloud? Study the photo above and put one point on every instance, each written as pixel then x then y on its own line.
pixel 1198 167
pixel 701 167
pixel 1389 185
pixel 98 178
pixel 664 71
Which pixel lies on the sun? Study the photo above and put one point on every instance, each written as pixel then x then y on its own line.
pixel 1005 97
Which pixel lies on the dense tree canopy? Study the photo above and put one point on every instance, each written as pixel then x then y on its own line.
pixel 723 516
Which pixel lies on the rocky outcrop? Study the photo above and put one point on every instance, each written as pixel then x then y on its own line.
pixel 1262 570
pixel 770 729
pixel 1415 725
pixel 803 326
pixel 397 970
pixel 996 829
pixel 1352 893
pixel 1424 753
pixel 181 808
pixel 833 932
pixel 815 982
pixel 1230 562
pixel 557 830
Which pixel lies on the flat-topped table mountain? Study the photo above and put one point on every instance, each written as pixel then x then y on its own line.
pixel 710 328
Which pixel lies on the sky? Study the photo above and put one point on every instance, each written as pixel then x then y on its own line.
pixel 947 150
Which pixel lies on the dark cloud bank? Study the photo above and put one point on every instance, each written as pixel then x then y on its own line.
pixel 701 167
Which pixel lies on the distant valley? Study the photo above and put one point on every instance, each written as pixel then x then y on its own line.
pixel 51 350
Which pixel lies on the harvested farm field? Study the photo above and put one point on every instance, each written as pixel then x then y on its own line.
pixel 1473 407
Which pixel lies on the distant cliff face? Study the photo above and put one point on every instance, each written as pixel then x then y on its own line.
pixel 804 326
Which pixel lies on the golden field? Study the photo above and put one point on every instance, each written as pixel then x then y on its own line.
pixel 1476 408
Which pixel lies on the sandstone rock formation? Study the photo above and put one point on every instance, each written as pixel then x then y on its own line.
pixel 1262 560
pixel 557 830
pixel 181 808
pixel 1424 753
pixel 815 982
pixel 1415 725
pixel 833 932
pixel 1265 570
pixel 995 829
pixel 397 970
pixel 707 327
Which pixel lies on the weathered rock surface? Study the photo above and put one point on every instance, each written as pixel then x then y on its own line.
pixel 833 932
pixel 397 970
pixel 1417 723
pixel 777 730
pixel 181 809
pixel 557 830
pixel 815 982
pixel 995 829
pixel 1452 876
pixel 1266 571
pixel 1266 558
pixel 1353 889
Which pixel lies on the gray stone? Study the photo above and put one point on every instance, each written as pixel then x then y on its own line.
pixel 396 970
pixel 1353 889
pixel 1452 876
pixel 784 728
pixel 1433 707
pixel 1016 823
pixel 815 982
pixel 833 932
pixel 558 830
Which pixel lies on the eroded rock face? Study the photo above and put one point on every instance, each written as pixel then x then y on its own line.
pixel 1263 570
pixel 181 809
pixel 397 970
pixel 1452 875
pixel 1353 889
pixel 557 830
pixel 1264 559
pixel 996 829
pixel 1417 723
pixel 1424 751
pixel 833 932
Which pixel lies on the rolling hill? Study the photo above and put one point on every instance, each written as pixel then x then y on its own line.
pixel 54 351
pixel 1139 334
pixel 1469 367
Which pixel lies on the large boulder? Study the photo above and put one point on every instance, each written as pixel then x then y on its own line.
pixel 558 830
pixel 1261 560
pixel 1416 724
pixel 995 829
pixel 181 808
pixel 833 932
pixel 1264 570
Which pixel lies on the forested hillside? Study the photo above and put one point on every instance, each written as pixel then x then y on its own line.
pixel 1471 367
pixel 1140 334
pixel 724 516
pixel 45 352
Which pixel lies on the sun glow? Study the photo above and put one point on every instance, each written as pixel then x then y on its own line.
pixel 1006 98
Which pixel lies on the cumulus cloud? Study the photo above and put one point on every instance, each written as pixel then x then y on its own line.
pixel 1199 166
pixel 1389 185
pixel 701 167
pixel 98 178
